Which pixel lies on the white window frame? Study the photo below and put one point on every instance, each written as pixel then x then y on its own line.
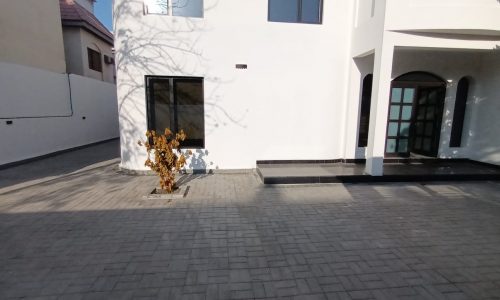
pixel 150 3
pixel 169 4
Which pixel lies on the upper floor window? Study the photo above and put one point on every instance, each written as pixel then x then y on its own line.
pixel 295 11
pixel 181 8
pixel 94 58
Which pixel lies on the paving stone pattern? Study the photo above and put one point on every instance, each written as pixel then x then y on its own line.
pixel 89 235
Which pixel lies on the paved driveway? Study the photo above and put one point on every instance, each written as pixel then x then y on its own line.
pixel 87 234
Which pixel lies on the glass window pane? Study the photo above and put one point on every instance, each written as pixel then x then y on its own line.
pixel 433 97
pixel 394 113
pixel 423 97
pixel 419 128
pixel 284 10
pixel 403 146
pixel 421 113
pixel 427 144
pixel 430 113
pixel 156 6
pixel 429 128
pixel 396 95
pixel 187 8
pixel 408 95
pixel 311 11
pixel 418 143
pixel 162 104
pixel 190 110
pixel 404 129
pixel 406 113
pixel 392 129
pixel 391 146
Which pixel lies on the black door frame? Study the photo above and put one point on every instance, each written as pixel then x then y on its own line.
pixel 436 119
pixel 416 85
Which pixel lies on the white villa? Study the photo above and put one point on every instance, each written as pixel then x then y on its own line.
pixel 251 80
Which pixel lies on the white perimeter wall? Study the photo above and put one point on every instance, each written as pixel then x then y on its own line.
pixel 289 104
pixel 38 104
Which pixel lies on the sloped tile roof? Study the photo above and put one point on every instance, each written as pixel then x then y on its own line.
pixel 73 14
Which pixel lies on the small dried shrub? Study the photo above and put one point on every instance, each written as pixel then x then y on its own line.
pixel 164 156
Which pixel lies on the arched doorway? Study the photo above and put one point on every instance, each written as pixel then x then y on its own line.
pixel 415 115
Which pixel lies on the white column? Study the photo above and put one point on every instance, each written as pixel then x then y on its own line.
pixel 351 113
pixel 378 110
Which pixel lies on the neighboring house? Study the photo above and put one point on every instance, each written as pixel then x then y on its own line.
pixel 31 34
pixel 310 79
pixel 49 100
pixel 88 44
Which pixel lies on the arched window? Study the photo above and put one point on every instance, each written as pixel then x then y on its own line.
pixel 364 119
pixel 415 114
pixel 459 113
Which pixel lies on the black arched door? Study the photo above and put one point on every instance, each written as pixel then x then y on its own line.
pixel 415 115
pixel 427 124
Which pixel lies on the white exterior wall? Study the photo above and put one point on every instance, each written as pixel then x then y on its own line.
pixel 54 123
pixel 460 16
pixel 427 24
pixel 360 68
pixel 368 29
pixel 484 143
pixel 299 98
pixel 288 104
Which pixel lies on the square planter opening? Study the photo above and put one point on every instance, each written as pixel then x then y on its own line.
pixel 159 194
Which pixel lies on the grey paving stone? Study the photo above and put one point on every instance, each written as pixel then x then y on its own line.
pixel 88 234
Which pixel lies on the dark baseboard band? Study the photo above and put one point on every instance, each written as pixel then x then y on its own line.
pixel 312 161
pixel 362 161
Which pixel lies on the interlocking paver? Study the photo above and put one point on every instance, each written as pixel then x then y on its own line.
pixel 89 235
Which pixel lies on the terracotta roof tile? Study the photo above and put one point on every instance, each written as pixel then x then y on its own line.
pixel 72 12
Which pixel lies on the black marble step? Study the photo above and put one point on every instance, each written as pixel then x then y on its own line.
pixel 394 171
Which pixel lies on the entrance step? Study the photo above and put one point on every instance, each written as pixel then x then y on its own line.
pixel 405 170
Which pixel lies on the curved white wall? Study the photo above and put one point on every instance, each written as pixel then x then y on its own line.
pixel 443 15
pixel 288 104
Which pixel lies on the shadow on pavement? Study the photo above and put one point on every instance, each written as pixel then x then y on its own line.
pixel 61 164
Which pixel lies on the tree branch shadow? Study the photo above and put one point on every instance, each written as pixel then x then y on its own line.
pixel 168 46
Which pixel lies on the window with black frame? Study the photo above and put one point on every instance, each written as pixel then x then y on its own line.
pixel 177 103
pixel 94 58
pixel 295 11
